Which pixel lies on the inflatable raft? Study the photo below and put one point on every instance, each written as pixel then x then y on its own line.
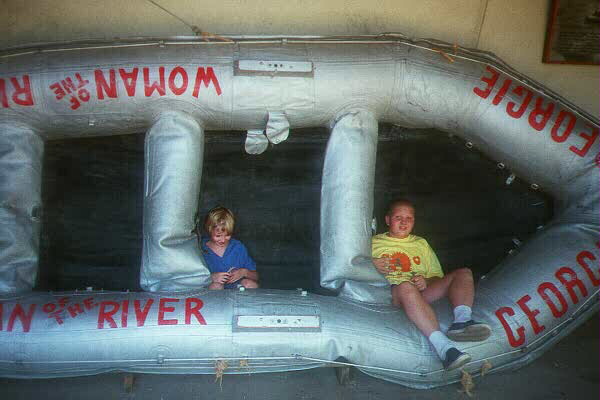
pixel 177 88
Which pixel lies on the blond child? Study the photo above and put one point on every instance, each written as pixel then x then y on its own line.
pixel 228 260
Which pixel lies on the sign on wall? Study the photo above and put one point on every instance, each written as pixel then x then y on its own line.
pixel 573 34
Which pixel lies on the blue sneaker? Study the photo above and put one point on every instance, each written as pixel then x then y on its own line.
pixel 470 331
pixel 455 359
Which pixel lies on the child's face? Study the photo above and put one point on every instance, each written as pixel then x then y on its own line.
pixel 219 237
pixel 401 221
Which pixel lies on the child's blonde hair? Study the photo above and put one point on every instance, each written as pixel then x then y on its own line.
pixel 221 219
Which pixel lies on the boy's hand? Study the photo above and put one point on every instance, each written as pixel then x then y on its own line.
pixel 419 282
pixel 236 274
pixel 382 265
pixel 220 277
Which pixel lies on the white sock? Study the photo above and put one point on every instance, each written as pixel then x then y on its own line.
pixel 462 313
pixel 441 343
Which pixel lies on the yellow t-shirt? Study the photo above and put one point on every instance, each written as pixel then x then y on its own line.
pixel 410 256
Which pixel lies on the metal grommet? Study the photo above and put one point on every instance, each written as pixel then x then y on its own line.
pixel 510 179
pixel 535 186
pixel 469 145
pixel 36 213
pixel 501 165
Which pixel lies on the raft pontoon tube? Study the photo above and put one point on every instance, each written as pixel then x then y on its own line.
pixel 177 88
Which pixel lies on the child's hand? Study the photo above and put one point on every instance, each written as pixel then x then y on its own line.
pixel 419 282
pixel 236 274
pixel 220 277
pixel 382 265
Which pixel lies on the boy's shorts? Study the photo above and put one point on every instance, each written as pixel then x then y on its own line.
pixel 396 278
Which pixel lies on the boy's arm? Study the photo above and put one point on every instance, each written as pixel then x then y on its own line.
pixel 247 268
pixel 380 259
pixel 382 265
pixel 251 274
pixel 220 277
pixel 434 270
pixel 241 273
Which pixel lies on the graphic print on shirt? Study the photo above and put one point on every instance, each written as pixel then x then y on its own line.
pixel 399 260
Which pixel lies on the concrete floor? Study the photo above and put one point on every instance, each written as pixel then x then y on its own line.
pixel 568 371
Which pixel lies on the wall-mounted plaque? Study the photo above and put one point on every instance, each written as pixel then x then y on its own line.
pixel 573 35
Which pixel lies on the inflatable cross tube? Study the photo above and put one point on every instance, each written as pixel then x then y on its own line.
pixel 176 89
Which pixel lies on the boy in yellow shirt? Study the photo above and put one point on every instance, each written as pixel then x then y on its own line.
pixel 417 279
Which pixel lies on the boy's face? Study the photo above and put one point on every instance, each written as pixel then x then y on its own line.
pixel 219 237
pixel 401 221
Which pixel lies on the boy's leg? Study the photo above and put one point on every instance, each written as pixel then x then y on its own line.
pixel 416 308
pixel 422 315
pixel 249 283
pixel 459 287
pixel 216 286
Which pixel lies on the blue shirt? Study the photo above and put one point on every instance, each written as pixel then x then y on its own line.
pixel 235 255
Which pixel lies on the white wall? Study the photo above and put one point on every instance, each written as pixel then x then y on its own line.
pixel 512 29
pixel 516 34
